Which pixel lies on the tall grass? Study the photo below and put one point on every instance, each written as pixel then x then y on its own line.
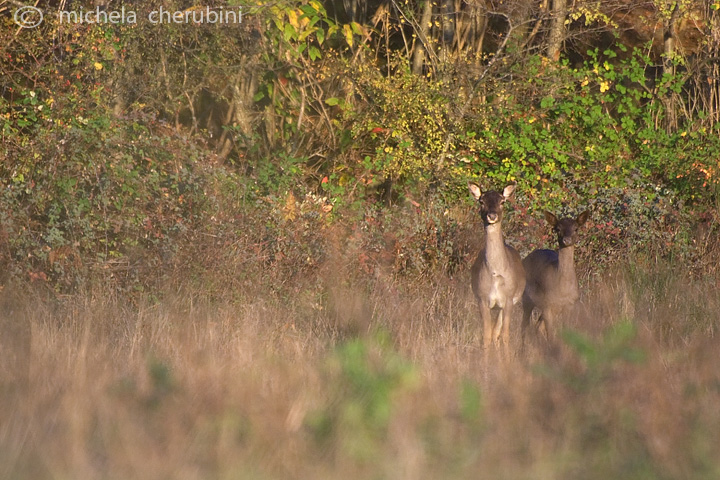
pixel 348 379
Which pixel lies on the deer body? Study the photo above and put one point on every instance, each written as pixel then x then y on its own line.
pixel 552 285
pixel 497 276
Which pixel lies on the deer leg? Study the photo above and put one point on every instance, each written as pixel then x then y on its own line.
pixel 497 328
pixel 486 317
pixel 527 315
pixel 545 324
pixel 540 325
pixel 506 317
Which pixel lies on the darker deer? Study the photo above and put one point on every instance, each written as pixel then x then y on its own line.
pixel 497 276
pixel 552 284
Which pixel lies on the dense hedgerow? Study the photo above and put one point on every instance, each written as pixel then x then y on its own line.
pixel 113 169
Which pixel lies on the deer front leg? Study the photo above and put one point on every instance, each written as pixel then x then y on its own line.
pixel 497 328
pixel 486 317
pixel 527 316
pixel 504 322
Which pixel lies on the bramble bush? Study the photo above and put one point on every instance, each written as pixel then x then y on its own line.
pixel 569 133
pixel 99 194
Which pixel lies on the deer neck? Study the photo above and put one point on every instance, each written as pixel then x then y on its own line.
pixel 566 264
pixel 495 251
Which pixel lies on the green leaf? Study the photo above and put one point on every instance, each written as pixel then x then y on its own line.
pixel 289 32
pixel 308 10
pixel 314 53
pixel 582 345
pixel 547 102
pixel 332 101
pixel 356 28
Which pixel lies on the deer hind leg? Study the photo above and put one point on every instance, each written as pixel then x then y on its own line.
pixel 544 323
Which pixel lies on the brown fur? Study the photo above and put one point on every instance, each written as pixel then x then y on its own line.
pixel 552 285
pixel 497 276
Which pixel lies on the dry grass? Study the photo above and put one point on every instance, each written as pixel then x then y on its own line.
pixel 385 380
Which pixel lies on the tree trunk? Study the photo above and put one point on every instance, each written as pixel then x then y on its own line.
pixel 448 24
pixel 240 110
pixel 669 41
pixel 519 18
pixel 356 10
pixel 557 29
pixel 480 27
pixel 713 75
pixel 422 41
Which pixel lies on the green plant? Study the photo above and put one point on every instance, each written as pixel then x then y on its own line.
pixel 367 376
pixel 597 359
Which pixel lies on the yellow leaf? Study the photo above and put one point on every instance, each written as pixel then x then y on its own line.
pixel 98 66
pixel 303 19
pixel 347 31
pixel 293 18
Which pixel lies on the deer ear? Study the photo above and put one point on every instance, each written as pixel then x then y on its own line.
pixel 509 191
pixel 475 190
pixel 582 218
pixel 551 219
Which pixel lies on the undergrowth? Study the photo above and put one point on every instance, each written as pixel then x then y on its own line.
pixel 359 377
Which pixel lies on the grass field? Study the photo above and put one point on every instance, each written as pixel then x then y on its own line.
pixel 377 379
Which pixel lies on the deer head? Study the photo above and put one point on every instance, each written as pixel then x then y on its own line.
pixel 491 203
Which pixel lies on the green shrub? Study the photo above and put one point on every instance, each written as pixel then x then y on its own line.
pixel 366 376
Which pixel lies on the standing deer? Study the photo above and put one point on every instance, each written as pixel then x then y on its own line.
pixel 497 276
pixel 552 285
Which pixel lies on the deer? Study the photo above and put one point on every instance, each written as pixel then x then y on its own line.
pixel 497 275
pixel 551 282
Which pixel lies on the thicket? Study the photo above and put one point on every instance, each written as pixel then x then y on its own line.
pixel 142 154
